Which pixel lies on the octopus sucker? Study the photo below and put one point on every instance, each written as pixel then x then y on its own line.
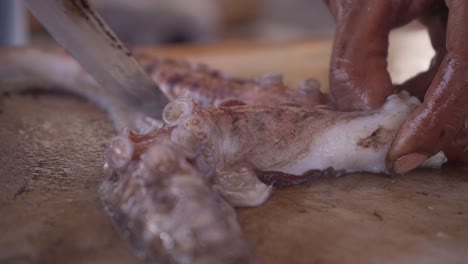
pixel 120 152
pixel 177 109
pixel 270 79
pixel 170 185
pixel 241 187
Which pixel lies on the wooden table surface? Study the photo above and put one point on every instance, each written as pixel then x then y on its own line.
pixel 50 168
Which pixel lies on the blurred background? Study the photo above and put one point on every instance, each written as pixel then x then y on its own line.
pixel 159 22
pixel 178 22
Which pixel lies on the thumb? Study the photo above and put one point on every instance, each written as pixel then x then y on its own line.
pixel 436 122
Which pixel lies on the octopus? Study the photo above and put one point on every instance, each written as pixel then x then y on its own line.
pixel 171 184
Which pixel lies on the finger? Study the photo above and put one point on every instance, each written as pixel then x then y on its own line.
pixel 436 122
pixel 358 69
pixel 457 150
pixel 436 23
pixel 443 114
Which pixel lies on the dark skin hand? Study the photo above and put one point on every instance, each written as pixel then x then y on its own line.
pixel 359 79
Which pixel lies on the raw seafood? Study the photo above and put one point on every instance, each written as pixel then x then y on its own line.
pixel 167 184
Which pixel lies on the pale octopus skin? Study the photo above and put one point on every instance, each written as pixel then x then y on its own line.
pixel 170 185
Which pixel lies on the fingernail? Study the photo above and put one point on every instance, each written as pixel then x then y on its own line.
pixel 408 162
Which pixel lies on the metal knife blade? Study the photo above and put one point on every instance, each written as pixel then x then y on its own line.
pixel 83 33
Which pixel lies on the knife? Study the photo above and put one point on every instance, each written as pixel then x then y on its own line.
pixel 83 33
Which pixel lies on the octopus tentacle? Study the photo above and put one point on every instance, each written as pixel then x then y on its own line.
pixel 211 87
pixel 168 209
pixel 237 145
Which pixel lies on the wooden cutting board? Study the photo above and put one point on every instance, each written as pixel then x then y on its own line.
pixel 50 168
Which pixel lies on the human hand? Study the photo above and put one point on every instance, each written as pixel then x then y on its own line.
pixel 359 79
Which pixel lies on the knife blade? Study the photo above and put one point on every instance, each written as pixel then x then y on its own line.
pixel 77 27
